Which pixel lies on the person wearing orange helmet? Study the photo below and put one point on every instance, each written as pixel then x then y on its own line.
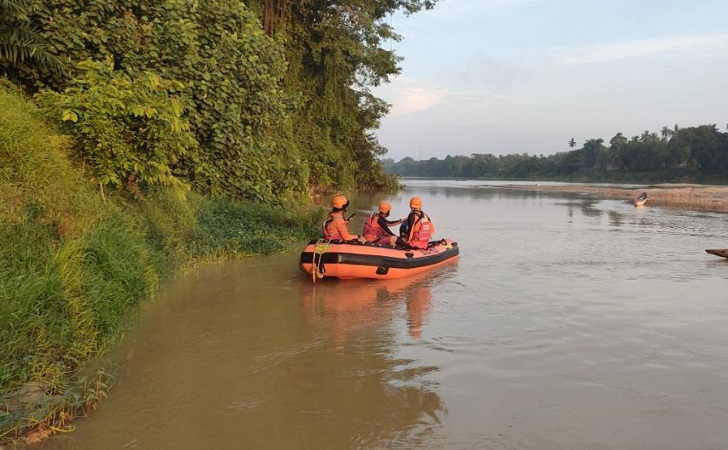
pixel 418 229
pixel 376 228
pixel 336 225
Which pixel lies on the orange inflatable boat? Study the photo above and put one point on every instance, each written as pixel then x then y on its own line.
pixel 321 258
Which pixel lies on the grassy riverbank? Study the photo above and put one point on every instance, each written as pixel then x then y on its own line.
pixel 75 264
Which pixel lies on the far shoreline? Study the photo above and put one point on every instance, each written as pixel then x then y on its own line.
pixel 696 197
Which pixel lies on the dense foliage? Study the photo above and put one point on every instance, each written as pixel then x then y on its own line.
pixel 129 131
pixel 678 154
pixel 20 43
pixel 189 106
pixel 262 100
pixel 334 54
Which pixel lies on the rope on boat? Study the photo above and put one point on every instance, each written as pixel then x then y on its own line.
pixel 322 245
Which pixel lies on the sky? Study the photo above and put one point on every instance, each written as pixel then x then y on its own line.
pixel 527 76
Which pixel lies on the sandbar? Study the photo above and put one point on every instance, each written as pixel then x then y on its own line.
pixel 697 197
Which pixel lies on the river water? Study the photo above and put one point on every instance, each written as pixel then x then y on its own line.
pixel 566 323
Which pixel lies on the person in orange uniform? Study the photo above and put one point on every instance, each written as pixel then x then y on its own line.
pixel 419 228
pixel 336 226
pixel 376 228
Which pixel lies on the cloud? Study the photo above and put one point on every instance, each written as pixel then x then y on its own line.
pixel 408 96
pixel 415 100
pixel 638 49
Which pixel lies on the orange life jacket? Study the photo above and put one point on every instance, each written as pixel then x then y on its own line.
pixel 372 231
pixel 422 232
pixel 330 232
pixel 334 228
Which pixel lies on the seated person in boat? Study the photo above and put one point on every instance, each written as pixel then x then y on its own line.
pixel 376 228
pixel 418 229
pixel 336 226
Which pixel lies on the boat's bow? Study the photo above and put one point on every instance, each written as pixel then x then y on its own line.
pixel 722 252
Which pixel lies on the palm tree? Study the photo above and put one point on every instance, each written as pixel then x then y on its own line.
pixel 19 41
pixel 572 143
pixel 616 145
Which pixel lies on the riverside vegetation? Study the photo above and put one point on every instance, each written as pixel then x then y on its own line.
pixel 74 267
pixel 138 139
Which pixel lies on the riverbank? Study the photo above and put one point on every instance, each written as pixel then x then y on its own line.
pixel 76 264
pixel 695 197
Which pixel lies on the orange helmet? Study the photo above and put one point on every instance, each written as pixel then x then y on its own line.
pixel 416 203
pixel 339 201
pixel 384 207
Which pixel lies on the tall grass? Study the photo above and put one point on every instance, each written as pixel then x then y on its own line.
pixel 72 269
pixel 37 180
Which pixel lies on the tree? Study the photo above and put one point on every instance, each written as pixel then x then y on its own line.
pixel 707 147
pixel 590 152
pixel 616 146
pixel 572 143
pixel 232 77
pixel 277 93
pixel 335 55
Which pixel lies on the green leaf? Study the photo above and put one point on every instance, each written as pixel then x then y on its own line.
pixel 69 116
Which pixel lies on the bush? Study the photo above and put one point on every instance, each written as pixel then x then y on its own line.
pixel 246 229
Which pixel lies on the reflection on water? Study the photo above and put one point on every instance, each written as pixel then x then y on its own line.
pixel 348 309
pixel 566 323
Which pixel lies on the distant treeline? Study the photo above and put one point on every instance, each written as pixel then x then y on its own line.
pixel 676 154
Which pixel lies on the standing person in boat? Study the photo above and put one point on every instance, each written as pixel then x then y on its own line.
pixel 376 228
pixel 418 229
pixel 336 225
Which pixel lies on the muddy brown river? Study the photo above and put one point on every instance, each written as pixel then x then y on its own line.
pixel 566 323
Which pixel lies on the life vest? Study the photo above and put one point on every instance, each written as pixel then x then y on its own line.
pixel 335 228
pixel 330 232
pixel 423 233
pixel 372 231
